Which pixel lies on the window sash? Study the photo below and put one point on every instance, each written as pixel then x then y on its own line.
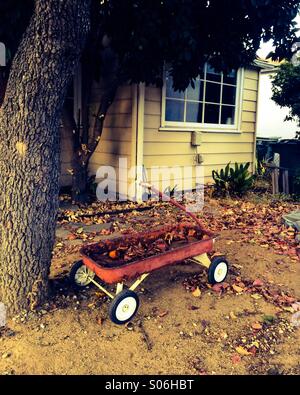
pixel 220 103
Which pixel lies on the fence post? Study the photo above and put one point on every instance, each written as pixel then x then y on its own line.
pixel 285 182
pixel 275 181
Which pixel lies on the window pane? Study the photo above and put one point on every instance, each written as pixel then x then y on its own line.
pixel 174 110
pixel 230 78
pixel 213 93
pixel 227 115
pixel 229 93
pixel 194 112
pixel 212 74
pixel 211 113
pixel 170 91
pixel 197 93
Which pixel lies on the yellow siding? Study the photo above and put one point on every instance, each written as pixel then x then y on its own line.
pixel 168 148
pixel 117 134
pixel 116 139
pixel 173 148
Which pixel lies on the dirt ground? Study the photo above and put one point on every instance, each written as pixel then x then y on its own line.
pixel 238 330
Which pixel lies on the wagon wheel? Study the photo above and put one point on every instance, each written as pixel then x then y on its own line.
pixel 80 275
pixel 123 307
pixel 218 270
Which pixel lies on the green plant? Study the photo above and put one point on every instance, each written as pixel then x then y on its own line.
pixel 170 191
pixel 260 167
pixel 285 89
pixel 233 181
pixel 222 180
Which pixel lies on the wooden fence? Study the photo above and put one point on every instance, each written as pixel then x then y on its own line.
pixel 280 179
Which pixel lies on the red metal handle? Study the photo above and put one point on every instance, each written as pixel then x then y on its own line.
pixel 180 206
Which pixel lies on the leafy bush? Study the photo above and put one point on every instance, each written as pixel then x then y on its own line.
pixel 233 181
pixel 170 191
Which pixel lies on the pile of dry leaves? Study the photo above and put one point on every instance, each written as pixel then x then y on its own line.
pixel 132 248
pixel 257 290
pixel 259 223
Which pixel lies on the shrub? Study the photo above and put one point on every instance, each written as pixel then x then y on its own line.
pixel 233 181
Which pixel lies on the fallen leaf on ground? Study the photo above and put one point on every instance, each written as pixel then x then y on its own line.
pixel 242 351
pixel 257 326
pixel 253 350
pixel 257 283
pixel 79 231
pixel 197 292
pixel 163 314
pixel 236 359
pixel 256 296
pixel 71 237
pixel 217 288
pixel 233 316
pixel 237 289
pixel 296 306
pixel 289 309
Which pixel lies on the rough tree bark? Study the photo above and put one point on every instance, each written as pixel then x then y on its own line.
pixel 29 147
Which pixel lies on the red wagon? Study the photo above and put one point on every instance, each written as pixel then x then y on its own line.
pixel 125 302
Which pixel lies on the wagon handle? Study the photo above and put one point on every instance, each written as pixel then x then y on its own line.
pixel 180 206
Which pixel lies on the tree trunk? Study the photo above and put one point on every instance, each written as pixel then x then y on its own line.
pixel 29 147
pixel 79 181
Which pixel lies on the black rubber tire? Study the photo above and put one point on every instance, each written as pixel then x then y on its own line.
pixel 72 274
pixel 212 268
pixel 115 303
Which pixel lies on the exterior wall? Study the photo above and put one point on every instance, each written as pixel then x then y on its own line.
pixel 116 140
pixel 270 117
pixel 164 147
pixel 130 119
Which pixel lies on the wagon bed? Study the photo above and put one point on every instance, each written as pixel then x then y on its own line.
pixel 96 256
pixel 117 261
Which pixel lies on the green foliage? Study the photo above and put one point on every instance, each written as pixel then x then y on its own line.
pixel 14 18
pixel 187 33
pixel 170 191
pixel 286 90
pixel 146 34
pixel 260 168
pixel 233 181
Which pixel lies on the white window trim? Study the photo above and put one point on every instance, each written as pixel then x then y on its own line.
pixel 190 126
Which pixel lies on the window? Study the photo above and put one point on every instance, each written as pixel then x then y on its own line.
pixel 211 102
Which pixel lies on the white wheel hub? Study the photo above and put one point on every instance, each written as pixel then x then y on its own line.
pixel 83 276
pixel 220 272
pixel 126 308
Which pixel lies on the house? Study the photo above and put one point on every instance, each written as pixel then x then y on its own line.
pixel 157 128
pixel 270 117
